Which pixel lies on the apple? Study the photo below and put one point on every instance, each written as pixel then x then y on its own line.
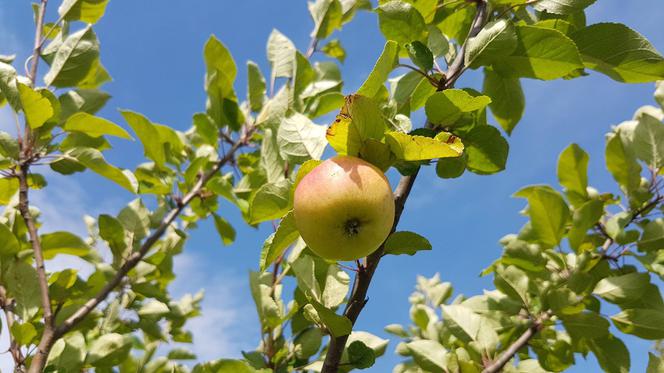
pixel 344 208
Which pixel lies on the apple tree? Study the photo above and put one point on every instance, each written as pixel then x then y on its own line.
pixel 118 315
pixel 581 251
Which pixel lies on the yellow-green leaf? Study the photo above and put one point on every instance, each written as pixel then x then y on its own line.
pixel 416 148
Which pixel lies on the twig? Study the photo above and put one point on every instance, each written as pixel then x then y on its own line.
pixel 431 80
pixel 34 62
pixel 14 348
pixel 137 256
pixel 514 348
pixel 358 297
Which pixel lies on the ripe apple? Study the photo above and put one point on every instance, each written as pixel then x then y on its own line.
pixel 344 208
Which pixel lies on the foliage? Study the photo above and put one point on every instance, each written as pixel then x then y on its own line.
pixel 581 254
pixel 119 315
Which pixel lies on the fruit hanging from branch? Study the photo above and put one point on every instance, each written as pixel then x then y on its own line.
pixel 344 208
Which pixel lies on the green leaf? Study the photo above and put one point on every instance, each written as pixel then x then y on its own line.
pixel 450 168
pixel 225 230
pixel 8 188
pixel 611 353
pixel 469 326
pixel 8 86
pixel 366 117
pixel 548 213
pixel 562 6
pixel 343 136
pixel 88 11
pixel 255 86
pixel 94 126
pixel 36 106
pixel 94 160
pixel 300 139
pixel 10 245
pixel 487 150
pixel 23 333
pixel 584 218
pixel 437 42
pixel 307 343
pixel 334 49
pixel 621 289
pixel 153 308
pixel 268 310
pixel 86 100
pixel 22 284
pixel 109 349
pixel 148 134
pixel 224 366
pixel 405 242
pixel 648 141
pixel 420 55
pixel 63 243
pixel 337 325
pixel 337 283
pixel 327 16
pixel 360 356
pixel 281 54
pixel 586 325
pixel 643 323
pixel 446 107
pixel 496 39
pixel 429 355
pixel 573 173
pixel 652 238
pixel 386 62
pixel 541 53
pixel 271 201
pixel 513 282
pixel 414 148
pixel 271 160
pixel 68 353
pixel 400 21
pixel 621 162
pixel 277 243
pixel 655 364
pixel 219 60
pixel 181 354
pixel 74 58
pixel 619 52
pixel 507 99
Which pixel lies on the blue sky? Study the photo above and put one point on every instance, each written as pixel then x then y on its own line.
pixel 153 50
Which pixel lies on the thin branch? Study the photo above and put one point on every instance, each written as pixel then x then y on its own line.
pixel 44 346
pixel 137 256
pixel 431 80
pixel 514 348
pixel 14 348
pixel 34 62
pixel 458 65
pixel 362 281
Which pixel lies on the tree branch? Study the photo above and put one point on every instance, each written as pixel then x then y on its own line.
pixel 39 360
pixel 152 239
pixel 34 60
pixel 14 349
pixel 514 348
pixel 358 297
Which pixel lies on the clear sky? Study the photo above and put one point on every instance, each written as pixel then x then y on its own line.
pixel 153 50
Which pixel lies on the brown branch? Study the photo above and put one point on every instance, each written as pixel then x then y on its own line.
pixel 514 348
pixel 358 297
pixel 14 349
pixel 137 256
pixel 458 66
pixel 34 60
pixel 44 346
